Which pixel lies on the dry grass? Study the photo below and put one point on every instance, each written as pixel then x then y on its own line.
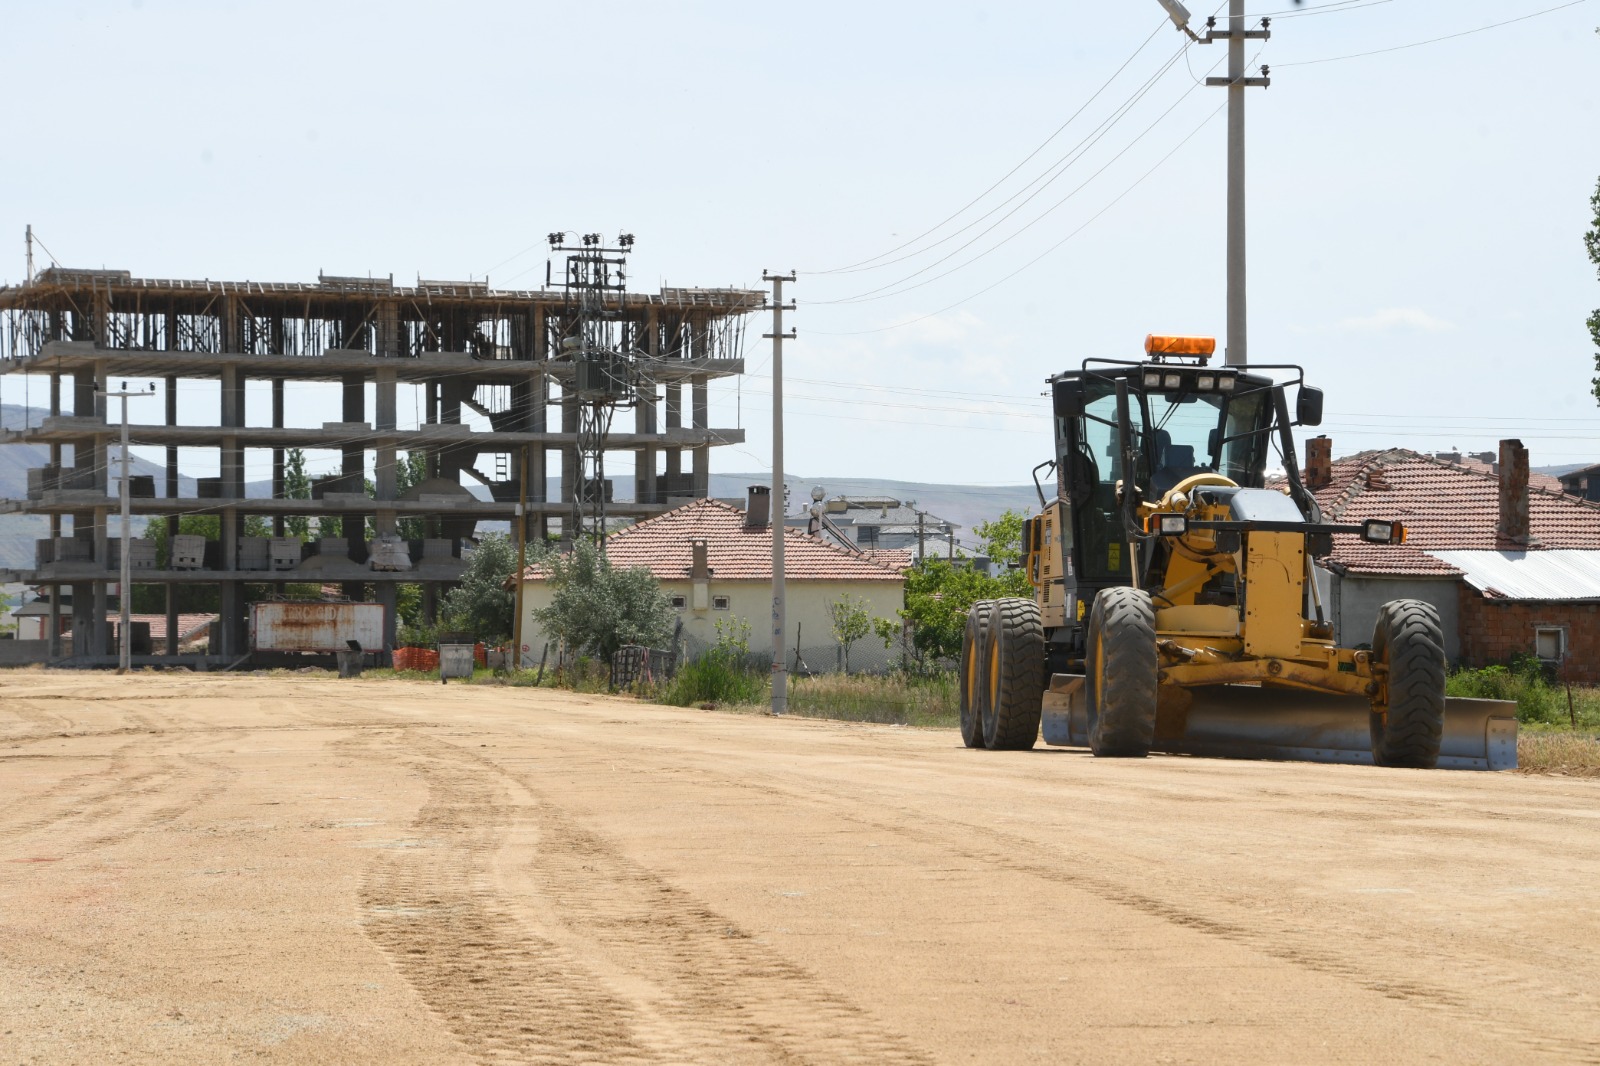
pixel 1558 751
pixel 894 700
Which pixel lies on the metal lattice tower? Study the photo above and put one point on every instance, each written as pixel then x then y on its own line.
pixel 596 339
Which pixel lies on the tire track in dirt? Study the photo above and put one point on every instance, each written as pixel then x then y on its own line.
pixel 123 804
pixel 631 955
pixel 1271 935
pixel 430 905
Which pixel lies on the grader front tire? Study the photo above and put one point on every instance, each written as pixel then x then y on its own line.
pixel 1408 715
pixel 1013 675
pixel 1122 670
pixel 974 691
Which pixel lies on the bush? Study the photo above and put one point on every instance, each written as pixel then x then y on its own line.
pixel 1522 682
pixel 597 609
pixel 721 675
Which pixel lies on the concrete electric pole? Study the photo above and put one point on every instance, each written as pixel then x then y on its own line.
pixel 780 692
pixel 1236 352
pixel 125 577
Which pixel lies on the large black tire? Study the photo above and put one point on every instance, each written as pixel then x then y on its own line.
pixel 1408 710
pixel 974 692
pixel 1122 668
pixel 1014 679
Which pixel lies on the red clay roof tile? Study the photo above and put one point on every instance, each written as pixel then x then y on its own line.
pixel 734 552
pixel 1445 507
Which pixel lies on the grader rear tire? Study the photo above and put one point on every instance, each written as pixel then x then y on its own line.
pixel 1122 671
pixel 1013 675
pixel 1408 714
pixel 974 692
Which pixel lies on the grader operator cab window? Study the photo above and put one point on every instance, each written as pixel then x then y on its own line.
pixel 1183 422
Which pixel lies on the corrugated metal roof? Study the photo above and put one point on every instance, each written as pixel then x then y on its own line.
pixel 1552 574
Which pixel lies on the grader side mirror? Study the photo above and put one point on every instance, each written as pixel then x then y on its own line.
pixel 1308 406
pixel 1068 399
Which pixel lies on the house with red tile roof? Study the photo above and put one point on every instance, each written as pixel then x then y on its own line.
pixel 715 562
pixel 1512 566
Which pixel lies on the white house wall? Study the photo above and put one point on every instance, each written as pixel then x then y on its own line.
pixel 806 611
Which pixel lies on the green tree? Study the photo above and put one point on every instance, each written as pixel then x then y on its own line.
pixel 481 605
pixel 938 595
pixel 296 486
pixel 1591 241
pixel 850 622
pixel 411 470
pixel 1002 538
pixel 598 609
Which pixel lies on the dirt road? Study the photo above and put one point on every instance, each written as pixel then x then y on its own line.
pixel 299 869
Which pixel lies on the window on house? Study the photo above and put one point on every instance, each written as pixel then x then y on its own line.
pixel 867 536
pixel 680 601
pixel 1550 644
pixel 719 603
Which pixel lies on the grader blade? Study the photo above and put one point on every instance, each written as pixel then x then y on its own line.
pixel 1250 722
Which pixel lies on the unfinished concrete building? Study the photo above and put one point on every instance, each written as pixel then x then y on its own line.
pixel 492 398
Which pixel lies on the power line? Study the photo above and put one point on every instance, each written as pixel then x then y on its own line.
pixel 1432 40
pixel 1060 168
pixel 1007 175
pixel 1048 176
pixel 1092 218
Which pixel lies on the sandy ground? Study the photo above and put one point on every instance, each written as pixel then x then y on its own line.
pixel 208 869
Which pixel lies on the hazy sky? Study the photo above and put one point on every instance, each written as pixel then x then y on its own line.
pixel 1415 215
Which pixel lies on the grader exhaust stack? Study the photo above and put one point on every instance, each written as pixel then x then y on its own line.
pixel 1175 604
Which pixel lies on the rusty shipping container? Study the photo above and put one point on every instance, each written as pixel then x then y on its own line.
pixel 315 627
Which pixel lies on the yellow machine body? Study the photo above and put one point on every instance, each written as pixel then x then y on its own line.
pixel 1254 680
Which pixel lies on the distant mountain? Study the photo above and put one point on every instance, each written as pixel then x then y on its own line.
pixel 1557 471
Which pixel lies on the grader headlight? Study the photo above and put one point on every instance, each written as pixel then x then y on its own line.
pixel 1167 524
pixel 1378 531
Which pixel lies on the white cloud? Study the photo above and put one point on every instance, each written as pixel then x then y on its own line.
pixel 1393 319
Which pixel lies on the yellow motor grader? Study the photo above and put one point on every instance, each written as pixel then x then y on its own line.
pixel 1175 604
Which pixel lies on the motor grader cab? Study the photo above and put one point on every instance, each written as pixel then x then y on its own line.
pixel 1175 602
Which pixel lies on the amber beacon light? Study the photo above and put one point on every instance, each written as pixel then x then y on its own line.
pixel 1156 345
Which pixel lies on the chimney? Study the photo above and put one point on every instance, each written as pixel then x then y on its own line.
pixel 1319 463
pixel 1513 524
pixel 758 507
pixel 700 569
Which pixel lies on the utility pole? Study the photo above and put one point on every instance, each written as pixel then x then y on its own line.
pixel 1236 352
pixel 125 578
pixel 780 694
pixel 922 518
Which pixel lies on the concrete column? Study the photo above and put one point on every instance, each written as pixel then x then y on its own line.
pixel 98 644
pixel 279 464
pixel 353 466
pixel 96 531
pixel 702 452
pixel 538 421
pixel 644 461
pixel 171 520
pixel 231 623
pixel 674 421
pixel 386 474
pixel 570 469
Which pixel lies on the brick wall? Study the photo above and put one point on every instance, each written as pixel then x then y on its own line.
pixel 1492 631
